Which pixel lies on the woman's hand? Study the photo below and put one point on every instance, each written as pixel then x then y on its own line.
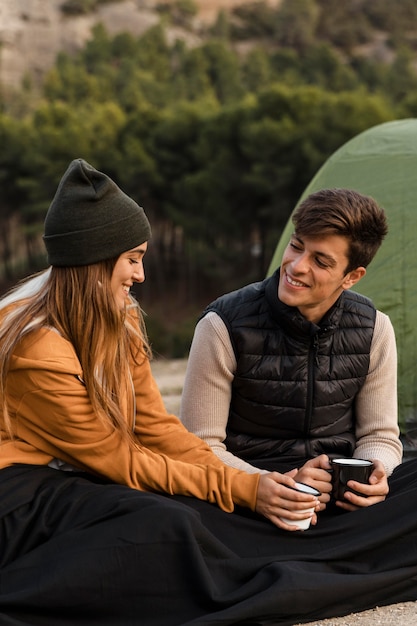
pixel 275 499
pixel 376 491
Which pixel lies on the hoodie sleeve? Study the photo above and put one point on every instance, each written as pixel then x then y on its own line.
pixel 54 419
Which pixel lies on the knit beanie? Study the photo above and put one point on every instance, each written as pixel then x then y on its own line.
pixel 90 219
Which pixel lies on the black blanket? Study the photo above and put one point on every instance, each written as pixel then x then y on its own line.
pixel 74 550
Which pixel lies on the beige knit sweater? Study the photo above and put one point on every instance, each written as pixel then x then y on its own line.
pixel 207 392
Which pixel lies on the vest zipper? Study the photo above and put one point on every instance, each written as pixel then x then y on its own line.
pixel 313 361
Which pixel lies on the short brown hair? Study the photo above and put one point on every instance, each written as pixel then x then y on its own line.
pixel 347 213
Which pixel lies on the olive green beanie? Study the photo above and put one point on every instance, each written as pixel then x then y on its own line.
pixel 91 219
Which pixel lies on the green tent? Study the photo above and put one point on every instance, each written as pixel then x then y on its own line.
pixel 382 162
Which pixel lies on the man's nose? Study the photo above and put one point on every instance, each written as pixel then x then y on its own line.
pixel 300 263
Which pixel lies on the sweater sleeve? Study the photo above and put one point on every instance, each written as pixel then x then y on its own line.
pixel 210 369
pixel 377 430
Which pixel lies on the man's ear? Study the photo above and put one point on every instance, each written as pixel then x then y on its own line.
pixel 353 277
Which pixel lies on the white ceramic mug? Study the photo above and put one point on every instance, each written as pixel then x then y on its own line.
pixel 303 524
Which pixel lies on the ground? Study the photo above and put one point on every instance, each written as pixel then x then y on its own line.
pixel 170 376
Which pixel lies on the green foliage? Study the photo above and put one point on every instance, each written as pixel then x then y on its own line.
pixel 174 341
pixel 321 66
pixel 191 80
pixel 255 20
pixel 19 222
pixel 295 24
pixel 257 70
pixel 382 15
pixel 241 169
pixel 223 71
pixel 71 81
pixel 401 78
pixel 147 70
pixel 180 12
pixel 221 28
pixel 78 7
pixel 216 144
pixel 82 7
pixel 344 24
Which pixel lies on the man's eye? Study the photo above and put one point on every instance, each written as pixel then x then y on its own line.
pixel 295 246
pixel 321 263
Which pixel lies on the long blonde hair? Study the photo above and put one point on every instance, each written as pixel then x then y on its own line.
pixel 79 304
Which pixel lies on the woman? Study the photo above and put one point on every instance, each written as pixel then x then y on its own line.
pixel 107 513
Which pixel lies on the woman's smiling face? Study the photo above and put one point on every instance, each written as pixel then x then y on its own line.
pixel 127 270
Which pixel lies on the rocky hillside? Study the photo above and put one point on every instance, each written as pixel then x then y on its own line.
pixel 32 32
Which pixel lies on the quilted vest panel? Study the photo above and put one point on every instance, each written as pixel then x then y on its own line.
pixel 295 383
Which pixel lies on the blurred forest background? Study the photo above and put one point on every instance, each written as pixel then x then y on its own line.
pixel 215 132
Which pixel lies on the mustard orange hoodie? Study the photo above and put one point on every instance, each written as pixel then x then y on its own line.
pixel 54 419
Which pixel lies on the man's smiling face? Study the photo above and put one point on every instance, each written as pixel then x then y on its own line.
pixel 313 274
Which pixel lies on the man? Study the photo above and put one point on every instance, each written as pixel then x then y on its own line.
pixel 297 369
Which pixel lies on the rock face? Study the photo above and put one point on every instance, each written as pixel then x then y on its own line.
pixel 32 32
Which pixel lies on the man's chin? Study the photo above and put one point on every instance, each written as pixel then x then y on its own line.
pixel 286 299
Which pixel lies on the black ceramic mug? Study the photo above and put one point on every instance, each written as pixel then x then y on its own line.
pixel 344 470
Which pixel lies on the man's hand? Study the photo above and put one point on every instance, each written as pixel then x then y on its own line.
pixel 316 474
pixel 376 491
pixel 275 499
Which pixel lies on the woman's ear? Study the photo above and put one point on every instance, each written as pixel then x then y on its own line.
pixel 353 277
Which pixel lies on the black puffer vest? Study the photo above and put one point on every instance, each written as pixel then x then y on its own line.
pixel 295 384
